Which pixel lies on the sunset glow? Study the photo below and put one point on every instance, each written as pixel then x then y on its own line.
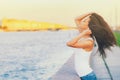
pixel 59 11
pixel 25 25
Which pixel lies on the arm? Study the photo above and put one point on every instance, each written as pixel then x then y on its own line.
pixel 80 44
pixel 74 40
pixel 87 44
pixel 79 18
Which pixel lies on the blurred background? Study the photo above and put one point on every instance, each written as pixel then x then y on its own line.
pixel 59 12
pixel 33 34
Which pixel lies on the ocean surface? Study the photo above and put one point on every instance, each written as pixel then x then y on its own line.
pixel 33 55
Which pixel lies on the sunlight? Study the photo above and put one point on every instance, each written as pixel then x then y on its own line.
pixel 25 25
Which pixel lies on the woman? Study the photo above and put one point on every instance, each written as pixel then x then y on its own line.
pixel 107 51
pixel 102 33
pixel 84 44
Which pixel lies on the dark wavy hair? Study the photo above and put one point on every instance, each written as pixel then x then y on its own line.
pixel 102 32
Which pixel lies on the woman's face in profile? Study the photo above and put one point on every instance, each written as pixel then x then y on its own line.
pixel 84 23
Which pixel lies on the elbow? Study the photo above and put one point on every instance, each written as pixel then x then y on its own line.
pixel 69 44
pixel 76 20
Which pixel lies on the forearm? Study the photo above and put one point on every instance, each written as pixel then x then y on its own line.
pixel 74 40
pixel 81 17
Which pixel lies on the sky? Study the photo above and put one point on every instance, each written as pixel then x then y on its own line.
pixel 59 11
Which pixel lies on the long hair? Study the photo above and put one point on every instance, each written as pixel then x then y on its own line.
pixel 102 32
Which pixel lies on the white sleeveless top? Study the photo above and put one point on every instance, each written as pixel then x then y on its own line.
pixel 82 57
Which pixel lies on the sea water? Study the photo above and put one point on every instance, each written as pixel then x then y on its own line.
pixel 33 55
